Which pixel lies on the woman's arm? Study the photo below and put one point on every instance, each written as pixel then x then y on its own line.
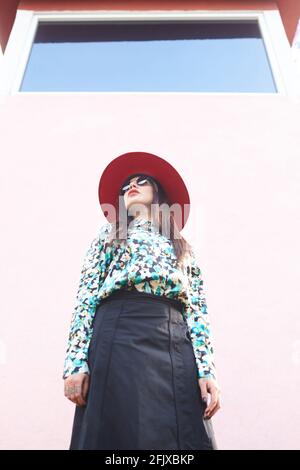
pixel 92 276
pixel 198 320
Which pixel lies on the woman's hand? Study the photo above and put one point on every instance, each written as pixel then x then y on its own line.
pixel 212 387
pixel 76 388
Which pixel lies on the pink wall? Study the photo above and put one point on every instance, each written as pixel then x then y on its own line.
pixel 239 156
pixel 290 14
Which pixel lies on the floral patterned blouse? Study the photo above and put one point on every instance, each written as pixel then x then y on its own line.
pixel 147 263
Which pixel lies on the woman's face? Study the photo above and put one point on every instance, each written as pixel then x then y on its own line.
pixel 142 195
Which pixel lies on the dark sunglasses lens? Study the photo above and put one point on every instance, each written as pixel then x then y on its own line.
pixel 125 188
pixel 141 180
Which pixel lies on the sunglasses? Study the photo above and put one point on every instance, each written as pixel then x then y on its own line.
pixel 140 181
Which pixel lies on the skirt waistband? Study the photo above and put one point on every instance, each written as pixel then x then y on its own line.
pixel 135 294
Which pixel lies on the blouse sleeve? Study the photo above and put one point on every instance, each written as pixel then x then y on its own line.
pixel 198 321
pixel 92 276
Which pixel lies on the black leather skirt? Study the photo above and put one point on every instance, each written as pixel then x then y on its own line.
pixel 143 391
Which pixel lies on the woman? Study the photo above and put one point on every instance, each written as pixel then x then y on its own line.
pixel 140 361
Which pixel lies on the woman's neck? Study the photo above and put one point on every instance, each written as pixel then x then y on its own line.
pixel 143 216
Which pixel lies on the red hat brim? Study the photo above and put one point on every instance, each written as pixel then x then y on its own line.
pixel 130 163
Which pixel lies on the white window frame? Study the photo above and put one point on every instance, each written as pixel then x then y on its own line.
pixel 272 30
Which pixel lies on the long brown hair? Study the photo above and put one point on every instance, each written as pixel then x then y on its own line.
pixel 165 225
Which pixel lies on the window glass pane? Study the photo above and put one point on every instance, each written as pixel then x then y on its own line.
pixel 204 56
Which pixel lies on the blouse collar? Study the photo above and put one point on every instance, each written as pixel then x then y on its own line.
pixel 142 222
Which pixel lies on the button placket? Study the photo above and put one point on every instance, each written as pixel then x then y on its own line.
pixel 187 334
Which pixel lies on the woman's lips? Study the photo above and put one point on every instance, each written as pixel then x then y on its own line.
pixel 133 192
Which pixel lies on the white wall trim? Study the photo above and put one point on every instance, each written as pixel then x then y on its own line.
pixel 22 36
pixel 280 52
pixel 296 50
pixel 1 62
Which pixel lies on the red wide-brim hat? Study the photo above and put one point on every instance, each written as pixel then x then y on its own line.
pixel 130 163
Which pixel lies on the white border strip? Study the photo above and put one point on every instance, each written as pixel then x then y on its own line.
pixel 22 36
pixel 296 50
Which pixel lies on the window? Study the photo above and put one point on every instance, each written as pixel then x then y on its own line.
pixel 149 56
